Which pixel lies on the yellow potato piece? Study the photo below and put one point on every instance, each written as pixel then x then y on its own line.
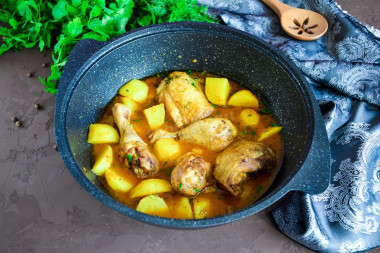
pixel 119 180
pixel 217 90
pixel 182 208
pixel 244 98
pixel 136 90
pixel 150 186
pixel 155 116
pixel 167 150
pixel 132 105
pixel 153 205
pixel 202 208
pixel 270 132
pixel 249 118
pixel 102 133
pixel 103 161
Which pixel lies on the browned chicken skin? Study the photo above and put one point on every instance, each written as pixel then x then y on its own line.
pixel 189 177
pixel 235 163
pixel 183 98
pixel 132 149
pixel 213 133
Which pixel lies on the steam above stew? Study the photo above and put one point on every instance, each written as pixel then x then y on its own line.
pixel 186 145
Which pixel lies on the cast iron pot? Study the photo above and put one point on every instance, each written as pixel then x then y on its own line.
pixel 95 71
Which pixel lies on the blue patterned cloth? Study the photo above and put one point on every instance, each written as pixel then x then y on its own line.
pixel 343 68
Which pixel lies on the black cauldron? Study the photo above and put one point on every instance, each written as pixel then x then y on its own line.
pixel 95 71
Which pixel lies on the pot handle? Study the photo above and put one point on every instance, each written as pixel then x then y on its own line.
pixel 81 52
pixel 314 175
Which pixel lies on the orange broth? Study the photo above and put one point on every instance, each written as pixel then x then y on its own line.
pixel 221 202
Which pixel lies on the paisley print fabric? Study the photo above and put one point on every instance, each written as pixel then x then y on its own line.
pixel 343 69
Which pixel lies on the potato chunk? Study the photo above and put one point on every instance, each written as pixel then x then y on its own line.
pixel 103 161
pixel 151 186
pixel 119 179
pixel 155 116
pixel 153 205
pixel 136 90
pixel 249 118
pixel 182 208
pixel 217 90
pixel 167 150
pixel 132 105
pixel 102 133
pixel 244 98
pixel 270 132
pixel 202 208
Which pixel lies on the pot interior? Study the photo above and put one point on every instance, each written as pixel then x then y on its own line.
pixel 249 62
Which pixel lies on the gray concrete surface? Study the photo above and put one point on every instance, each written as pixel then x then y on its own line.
pixel 43 209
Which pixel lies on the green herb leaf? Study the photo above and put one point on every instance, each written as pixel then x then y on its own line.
pixel 253 132
pixel 75 27
pixel 129 157
pixel 59 10
pixel 258 189
pixel 196 190
pixel 274 124
pixel 265 111
pixel 180 186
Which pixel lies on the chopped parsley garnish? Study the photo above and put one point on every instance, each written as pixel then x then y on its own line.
pixel 204 72
pixel 165 120
pixel 258 189
pixel 165 163
pixel 197 190
pixel 129 157
pixel 194 85
pixel 213 105
pixel 249 115
pixel 127 90
pixel 136 120
pixel 245 132
pixel 189 72
pixel 265 111
pixel 274 124
pixel 80 117
pixel 253 132
pixel 180 186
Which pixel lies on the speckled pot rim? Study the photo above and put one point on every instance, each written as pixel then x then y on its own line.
pixel 65 93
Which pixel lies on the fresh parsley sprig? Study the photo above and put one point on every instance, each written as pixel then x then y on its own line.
pixel 61 24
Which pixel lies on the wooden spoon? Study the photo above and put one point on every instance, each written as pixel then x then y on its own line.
pixel 299 23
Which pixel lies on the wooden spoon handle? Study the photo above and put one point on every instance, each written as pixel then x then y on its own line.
pixel 277 6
